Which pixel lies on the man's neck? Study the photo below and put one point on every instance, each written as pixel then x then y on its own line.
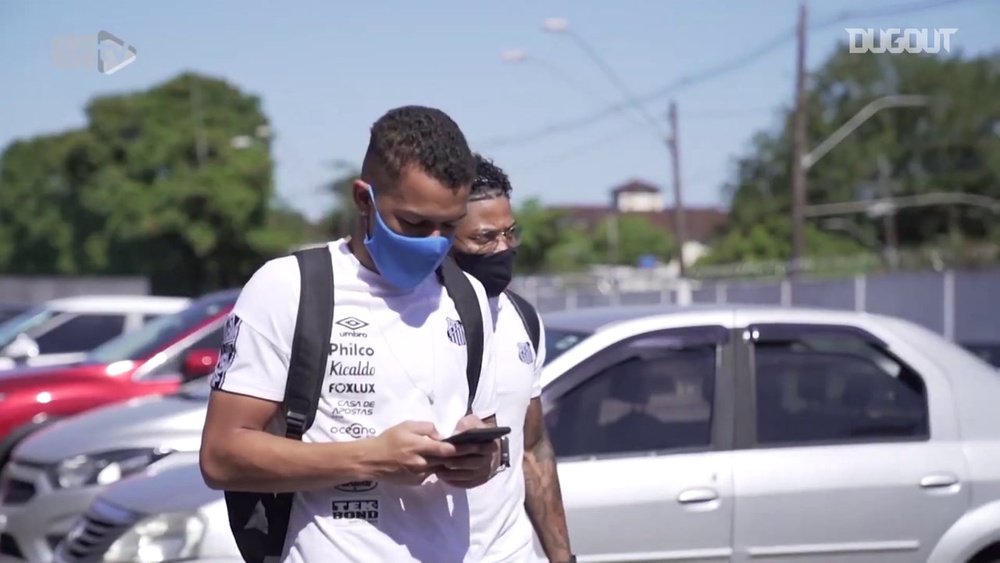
pixel 360 252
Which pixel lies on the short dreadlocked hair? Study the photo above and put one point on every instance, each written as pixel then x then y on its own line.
pixel 491 181
pixel 418 136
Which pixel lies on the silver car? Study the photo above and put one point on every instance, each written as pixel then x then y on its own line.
pixel 135 521
pixel 761 434
pixel 56 473
pixel 63 330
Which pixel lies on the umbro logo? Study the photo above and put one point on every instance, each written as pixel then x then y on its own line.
pixel 352 323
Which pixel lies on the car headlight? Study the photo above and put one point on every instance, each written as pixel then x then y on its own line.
pixel 164 537
pixel 103 468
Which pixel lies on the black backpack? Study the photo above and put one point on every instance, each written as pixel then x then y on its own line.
pixel 528 316
pixel 259 521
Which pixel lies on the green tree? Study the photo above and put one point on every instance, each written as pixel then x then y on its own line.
pixel 547 244
pixel 626 238
pixel 950 146
pixel 340 220
pixel 174 183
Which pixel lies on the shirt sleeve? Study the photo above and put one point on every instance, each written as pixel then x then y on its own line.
pixel 536 382
pixel 256 344
pixel 485 405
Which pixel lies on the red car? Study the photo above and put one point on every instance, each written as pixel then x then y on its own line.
pixel 155 359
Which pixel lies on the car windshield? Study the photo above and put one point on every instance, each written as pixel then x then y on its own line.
pixel 558 341
pixel 155 335
pixel 24 322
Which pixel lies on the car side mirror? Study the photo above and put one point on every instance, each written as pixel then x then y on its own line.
pixel 199 363
pixel 21 348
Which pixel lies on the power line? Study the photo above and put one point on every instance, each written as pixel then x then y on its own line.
pixel 779 40
pixel 618 133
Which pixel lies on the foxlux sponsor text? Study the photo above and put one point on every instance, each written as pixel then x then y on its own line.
pixel 360 388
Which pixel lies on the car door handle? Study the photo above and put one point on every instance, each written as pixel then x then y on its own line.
pixel 938 481
pixel 692 496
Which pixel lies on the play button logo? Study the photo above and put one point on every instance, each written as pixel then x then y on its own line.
pixel 113 54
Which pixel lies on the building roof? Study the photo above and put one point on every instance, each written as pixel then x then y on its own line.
pixel 635 186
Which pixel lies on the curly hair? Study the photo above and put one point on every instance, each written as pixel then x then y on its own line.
pixel 491 181
pixel 418 136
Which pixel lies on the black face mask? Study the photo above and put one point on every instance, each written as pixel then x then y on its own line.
pixel 494 271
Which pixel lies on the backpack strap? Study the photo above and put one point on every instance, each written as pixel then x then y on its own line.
pixel 259 521
pixel 311 342
pixel 528 316
pixel 470 313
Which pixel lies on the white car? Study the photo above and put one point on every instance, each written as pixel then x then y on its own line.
pixel 713 434
pixel 63 330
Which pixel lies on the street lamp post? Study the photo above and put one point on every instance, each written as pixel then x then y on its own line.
pixel 882 206
pixel 561 26
pixel 802 164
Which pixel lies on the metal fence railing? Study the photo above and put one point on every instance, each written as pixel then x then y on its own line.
pixel 961 305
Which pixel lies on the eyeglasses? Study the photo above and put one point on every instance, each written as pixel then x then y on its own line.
pixel 489 240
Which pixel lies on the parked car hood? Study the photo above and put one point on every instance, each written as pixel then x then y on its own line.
pixel 174 487
pixel 19 375
pixel 171 421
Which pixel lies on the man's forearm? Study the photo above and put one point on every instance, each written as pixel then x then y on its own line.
pixel 256 461
pixel 543 500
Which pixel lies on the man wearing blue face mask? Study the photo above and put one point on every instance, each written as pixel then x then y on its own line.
pixel 373 478
pixel 525 495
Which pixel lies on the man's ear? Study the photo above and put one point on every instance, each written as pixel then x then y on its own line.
pixel 362 197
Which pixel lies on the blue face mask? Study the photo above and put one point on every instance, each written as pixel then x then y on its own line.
pixel 403 261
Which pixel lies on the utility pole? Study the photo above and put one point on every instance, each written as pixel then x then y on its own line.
pixel 799 149
pixel 889 219
pixel 680 231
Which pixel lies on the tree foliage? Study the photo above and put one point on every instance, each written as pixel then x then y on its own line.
pixel 625 238
pixel 156 184
pixel 952 145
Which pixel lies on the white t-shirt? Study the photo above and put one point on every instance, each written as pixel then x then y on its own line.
pixel 395 356
pixel 503 531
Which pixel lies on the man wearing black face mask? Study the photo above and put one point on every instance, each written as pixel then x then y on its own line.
pixel 526 494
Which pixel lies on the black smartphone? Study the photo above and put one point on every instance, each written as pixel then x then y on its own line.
pixel 478 435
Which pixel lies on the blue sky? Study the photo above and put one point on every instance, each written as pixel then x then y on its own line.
pixel 326 70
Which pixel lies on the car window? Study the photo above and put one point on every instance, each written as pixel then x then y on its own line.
pixel 659 398
pixel 835 389
pixel 8 312
pixel 172 366
pixel 80 333
pixel 24 322
pixel 558 341
pixel 143 343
